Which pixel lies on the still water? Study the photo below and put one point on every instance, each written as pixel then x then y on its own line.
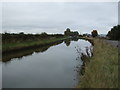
pixel 54 66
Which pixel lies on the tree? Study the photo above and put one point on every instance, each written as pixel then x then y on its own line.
pixel 76 33
pixel 67 32
pixel 94 33
pixel 114 33
pixel 21 33
pixel 71 33
pixel 44 34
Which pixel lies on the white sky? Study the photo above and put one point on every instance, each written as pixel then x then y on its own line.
pixel 55 17
pixel 59 0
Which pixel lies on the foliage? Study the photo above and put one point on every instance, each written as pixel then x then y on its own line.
pixel 8 46
pixel 94 33
pixel 74 33
pixel 114 33
pixel 86 35
pixel 21 33
pixel 68 32
pixel 21 37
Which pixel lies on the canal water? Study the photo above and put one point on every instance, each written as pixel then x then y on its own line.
pixel 53 66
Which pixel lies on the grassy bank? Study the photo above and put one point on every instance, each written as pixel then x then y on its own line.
pixel 102 70
pixel 25 44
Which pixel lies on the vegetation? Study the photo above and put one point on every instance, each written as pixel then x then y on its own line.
pixel 68 41
pixel 25 52
pixel 21 40
pixel 12 41
pixel 102 70
pixel 114 33
pixel 9 38
pixel 86 35
pixel 94 33
pixel 70 33
pixel 21 53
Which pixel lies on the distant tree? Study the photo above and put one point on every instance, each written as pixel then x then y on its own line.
pixel 6 32
pixel 94 33
pixel 76 33
pixel 68 29
pixel 86 35
pixel 44 34
pixel 80 35
pixel 21 33
pixel 67 32
pixel 114 33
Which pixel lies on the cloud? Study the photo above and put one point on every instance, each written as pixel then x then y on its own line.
pixel 54 17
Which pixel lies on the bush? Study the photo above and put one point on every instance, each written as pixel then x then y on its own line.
pixel 94 33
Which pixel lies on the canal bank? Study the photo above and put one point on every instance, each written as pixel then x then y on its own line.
pixel 102 70
pixel 10 47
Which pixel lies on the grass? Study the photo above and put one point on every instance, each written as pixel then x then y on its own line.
pixel 102 70
pixel 13 46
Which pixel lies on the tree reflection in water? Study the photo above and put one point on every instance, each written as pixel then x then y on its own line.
pixel 68 41
pixel 26 52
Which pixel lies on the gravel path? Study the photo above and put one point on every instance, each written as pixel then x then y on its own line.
pixel 114 43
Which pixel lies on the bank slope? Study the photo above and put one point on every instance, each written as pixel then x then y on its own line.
pixel 29 44
pixel 102 70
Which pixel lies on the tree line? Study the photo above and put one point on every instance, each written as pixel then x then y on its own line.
pixel 21 37
pixel 114 34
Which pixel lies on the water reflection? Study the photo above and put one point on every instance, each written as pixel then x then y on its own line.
pixel 68 41
pixel 47 67
pixel 19 54
pixel 84 57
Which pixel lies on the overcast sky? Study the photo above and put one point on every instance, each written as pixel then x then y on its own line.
pixel 54 17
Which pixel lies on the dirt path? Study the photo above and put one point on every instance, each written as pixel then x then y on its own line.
pixel 114 43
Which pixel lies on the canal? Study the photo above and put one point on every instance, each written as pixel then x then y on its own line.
pixel 51 66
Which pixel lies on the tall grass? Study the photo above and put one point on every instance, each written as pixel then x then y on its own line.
pixel 102 70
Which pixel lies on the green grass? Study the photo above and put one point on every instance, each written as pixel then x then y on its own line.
pixel 12 46
pixel 102 70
